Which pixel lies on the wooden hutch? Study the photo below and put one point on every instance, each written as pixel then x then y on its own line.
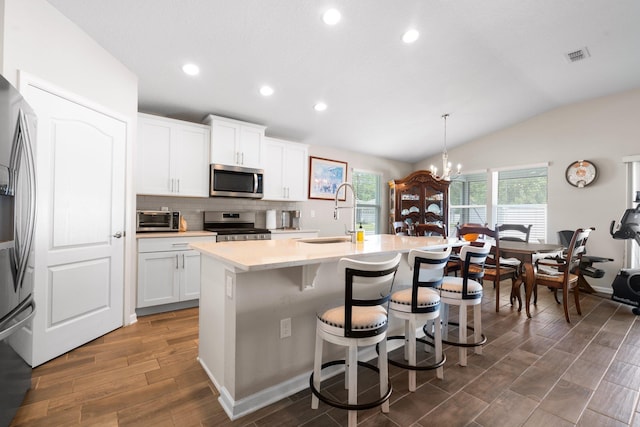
pixel 419 197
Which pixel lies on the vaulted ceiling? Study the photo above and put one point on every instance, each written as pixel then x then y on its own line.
pixel 489 64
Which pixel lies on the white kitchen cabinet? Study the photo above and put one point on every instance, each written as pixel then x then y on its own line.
pixel 236 143
pixel 172 157
pixel 168 271
pixel 285 170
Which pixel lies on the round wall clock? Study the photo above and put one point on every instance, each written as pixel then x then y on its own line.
pixel 581 173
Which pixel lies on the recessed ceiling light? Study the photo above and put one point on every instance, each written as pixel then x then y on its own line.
pixel 191 69
pixel 410 36
pixel 331 17
pixel 320 106
pixel 266 91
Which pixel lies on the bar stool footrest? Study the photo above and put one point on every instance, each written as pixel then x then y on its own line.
pixel 482 341
pixel 347 406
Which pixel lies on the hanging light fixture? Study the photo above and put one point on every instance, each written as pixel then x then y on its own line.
pixel 446 164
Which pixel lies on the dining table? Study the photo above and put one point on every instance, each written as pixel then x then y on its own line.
pixel 527 253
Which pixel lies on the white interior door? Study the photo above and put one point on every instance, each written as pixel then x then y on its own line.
pixel 79 252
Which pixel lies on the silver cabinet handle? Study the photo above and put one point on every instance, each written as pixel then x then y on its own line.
pixel 118 235
pixel 176 261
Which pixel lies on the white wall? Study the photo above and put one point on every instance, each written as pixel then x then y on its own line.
pixel 318 214
pixel 603 130
pixel 40 41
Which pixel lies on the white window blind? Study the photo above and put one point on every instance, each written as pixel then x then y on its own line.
pixel 367 189
pixel 522 199
pixel 467 200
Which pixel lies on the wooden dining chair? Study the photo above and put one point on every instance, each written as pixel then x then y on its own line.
pixel 430 230
pixel 494 271
pixel 514 232
pixel 562 273
pixel 400 228
pixel 453 265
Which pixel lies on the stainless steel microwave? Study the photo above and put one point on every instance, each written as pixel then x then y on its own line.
pixel 236 181
pixel 157 221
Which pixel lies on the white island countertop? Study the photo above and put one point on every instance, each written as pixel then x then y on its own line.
pixel 272 254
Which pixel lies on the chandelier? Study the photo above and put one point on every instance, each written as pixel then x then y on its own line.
pixel 446 164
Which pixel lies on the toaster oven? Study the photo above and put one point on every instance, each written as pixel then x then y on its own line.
pixel 157 221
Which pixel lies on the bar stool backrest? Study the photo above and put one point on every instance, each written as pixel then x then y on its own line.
pixel 428 272
pixel 367 284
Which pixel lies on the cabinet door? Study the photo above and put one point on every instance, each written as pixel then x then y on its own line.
pixel 158 281
pixel 225 137
pixel 190 278
pixel 250 147
pixel 153 157
pixel 295 172
pixel 191 161
pixel 273 170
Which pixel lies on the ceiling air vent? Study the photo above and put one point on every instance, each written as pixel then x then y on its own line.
pixel 578 55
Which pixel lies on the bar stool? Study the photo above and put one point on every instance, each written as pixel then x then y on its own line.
pixel 465 291
pixel 420 304
pixel 361 321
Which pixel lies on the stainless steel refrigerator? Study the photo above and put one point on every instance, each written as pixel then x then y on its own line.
pixel 17 218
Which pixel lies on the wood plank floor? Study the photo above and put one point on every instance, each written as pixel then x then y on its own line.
pixel 538 372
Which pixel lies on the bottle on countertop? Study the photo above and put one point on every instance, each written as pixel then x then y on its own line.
pixel 183 224
pixel 360 234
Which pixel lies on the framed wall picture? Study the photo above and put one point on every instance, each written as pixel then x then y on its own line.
pixel 325 176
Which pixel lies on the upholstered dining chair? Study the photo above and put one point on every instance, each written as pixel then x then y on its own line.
pixel 361 321
pixel 562 273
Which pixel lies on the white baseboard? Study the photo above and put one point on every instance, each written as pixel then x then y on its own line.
pixel 241 407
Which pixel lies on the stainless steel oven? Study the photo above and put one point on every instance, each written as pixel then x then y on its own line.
pixel 234 226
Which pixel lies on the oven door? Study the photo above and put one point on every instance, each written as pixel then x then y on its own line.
pixel 156 221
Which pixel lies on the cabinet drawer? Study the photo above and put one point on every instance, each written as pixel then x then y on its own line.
pixel 161 244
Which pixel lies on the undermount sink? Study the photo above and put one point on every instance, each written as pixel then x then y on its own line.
pixel 325 240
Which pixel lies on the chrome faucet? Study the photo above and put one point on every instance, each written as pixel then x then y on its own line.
pixel 352 232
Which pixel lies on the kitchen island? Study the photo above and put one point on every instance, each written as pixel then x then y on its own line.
pixel 258 304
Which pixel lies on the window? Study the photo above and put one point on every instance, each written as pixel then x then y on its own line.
pixel 467 200
pixel 522 199
pixel 367 189
pixel 515 196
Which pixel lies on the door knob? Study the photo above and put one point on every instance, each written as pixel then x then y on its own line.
pixel 118 235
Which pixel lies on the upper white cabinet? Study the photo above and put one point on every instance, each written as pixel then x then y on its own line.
pixel 235 143
pixel 172 157
pixel 285 170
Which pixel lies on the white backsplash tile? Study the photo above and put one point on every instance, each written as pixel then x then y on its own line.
pixel 191 208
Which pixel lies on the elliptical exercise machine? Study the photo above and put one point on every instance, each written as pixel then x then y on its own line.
pixel 626 285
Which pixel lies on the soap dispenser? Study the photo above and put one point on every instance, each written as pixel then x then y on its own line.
pixel 360 234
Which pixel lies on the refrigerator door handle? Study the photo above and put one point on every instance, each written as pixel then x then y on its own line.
pixel 13 328
pixel 22 143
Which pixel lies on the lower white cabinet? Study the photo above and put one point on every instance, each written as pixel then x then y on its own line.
pixel 168 271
